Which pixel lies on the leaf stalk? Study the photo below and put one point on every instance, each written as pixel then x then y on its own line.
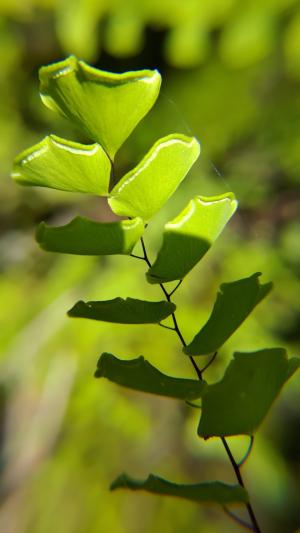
pixel 236 466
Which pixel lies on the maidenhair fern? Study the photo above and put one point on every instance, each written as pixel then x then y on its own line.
pixel 107 107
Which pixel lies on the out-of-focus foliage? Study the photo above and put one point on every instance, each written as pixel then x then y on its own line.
pixel 248 32
pixel 64 434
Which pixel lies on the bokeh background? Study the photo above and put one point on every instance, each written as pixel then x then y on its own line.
pixel 231 76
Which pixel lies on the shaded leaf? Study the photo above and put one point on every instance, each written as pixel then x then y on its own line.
pixel 64 165
pixel 214 491
pixel 146 188
pixel 87 237
pixel 234 303
pixel 128 311
pixel 188 237
pixel 239 402
pixel 106 106
pixel 140 375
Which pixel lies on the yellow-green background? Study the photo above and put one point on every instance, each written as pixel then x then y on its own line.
pixel 231 76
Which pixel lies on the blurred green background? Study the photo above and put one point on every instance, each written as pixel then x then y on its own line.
pixel 231 76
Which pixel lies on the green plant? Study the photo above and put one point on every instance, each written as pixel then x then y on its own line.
pixel 107 107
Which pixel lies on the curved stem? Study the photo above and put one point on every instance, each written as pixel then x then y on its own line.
pixel 236 469
pixel 137 256
pixel 166 327
pixel 238 519
pixel 177 287
pixel 244 459
pixel 209 362
pixel 255 527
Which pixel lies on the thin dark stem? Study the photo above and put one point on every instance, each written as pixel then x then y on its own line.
pixel 232 460
pixel 238 519
pixel 209 362
pixel 236 469
pixel 167 327
pixel 255 526
pixel 175 289
pixel 197 369
pixel 165 292
pixel 137 257
pixel 168 297
pixel 176 328
pixel 244 459
pixel 145 253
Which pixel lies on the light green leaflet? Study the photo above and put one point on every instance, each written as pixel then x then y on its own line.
pixel 214 491
pixel 238 403
pixel 146 188
pixel 87 237
pixel 106 106
pixel 234 303
pixel 140 375
pixel 65 165
pixel 188 237
pixel 123 311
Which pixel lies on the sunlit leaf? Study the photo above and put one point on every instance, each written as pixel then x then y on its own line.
pixel 234 303
pixel 87 237
pixel 140 375
pixel 128 311
pixel 106 106
pixel 145 189
pixel 239 402
pixel 213 491
pixel 64 165
pixel 291 45
pixel 189 236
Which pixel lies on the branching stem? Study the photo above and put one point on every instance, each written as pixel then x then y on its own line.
pixel 238 519
pixel 137 257
pixel 254 527
pixel 167 327
pixel 175 289
pixel 236 469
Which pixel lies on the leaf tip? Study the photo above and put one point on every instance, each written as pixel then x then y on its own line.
pixel 15 174
pixel 119 482
pixel 73 312
pixel 56 69
pixel 100 370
